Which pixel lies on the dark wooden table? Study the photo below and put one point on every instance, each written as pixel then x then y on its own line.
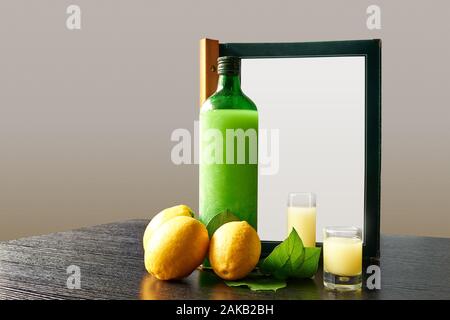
pixel 110 259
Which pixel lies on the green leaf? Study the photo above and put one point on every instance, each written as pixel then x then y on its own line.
pixel 310 264
pixel 286 258
pixel 219 219
pixel 259 284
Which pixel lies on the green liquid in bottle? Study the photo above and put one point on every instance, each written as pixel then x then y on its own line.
pixel 225 186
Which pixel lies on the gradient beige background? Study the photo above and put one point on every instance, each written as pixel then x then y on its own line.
pixel 86 116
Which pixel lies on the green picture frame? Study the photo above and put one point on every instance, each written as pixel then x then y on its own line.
pixel 371 50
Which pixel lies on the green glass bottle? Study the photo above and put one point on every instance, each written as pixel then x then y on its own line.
pixel 229 170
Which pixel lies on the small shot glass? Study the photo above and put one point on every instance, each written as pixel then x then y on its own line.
pixel 342 258
pixel 302 216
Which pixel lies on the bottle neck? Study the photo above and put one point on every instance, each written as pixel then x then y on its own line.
pixel 229 83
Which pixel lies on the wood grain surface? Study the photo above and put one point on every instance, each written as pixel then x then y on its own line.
pixel 110 258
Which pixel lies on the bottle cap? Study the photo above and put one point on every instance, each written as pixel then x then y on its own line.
pixel 229 65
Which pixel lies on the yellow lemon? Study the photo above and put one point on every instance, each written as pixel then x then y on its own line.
pixel 176 248
pixel 164 216
pixel 234 250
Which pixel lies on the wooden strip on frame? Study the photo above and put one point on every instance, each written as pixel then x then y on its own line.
pixel 209 52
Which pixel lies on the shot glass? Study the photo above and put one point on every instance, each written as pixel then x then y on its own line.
pixel 342 258
pixel 302 216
